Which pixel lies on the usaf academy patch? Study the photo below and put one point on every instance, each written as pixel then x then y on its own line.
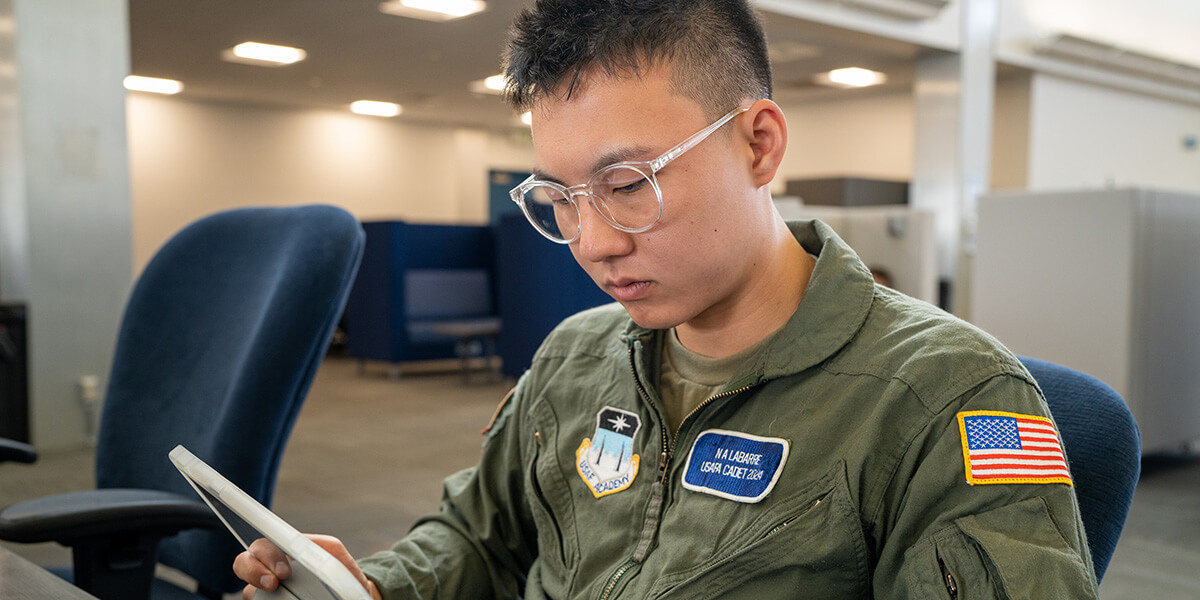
pixel 606 462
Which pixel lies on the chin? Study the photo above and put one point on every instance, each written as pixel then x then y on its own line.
pixel 650 319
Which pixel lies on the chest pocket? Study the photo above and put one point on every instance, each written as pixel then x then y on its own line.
pixel 807 545
pixel 546 488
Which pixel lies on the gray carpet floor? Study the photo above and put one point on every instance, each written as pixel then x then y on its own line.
pixel 369 451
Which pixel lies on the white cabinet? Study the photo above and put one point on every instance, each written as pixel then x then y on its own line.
pixel 1106 282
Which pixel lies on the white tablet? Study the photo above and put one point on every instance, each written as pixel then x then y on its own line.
pixel 316 574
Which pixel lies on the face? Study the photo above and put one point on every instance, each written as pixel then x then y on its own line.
pixel 693 264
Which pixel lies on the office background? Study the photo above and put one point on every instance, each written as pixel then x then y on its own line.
pixel 95 178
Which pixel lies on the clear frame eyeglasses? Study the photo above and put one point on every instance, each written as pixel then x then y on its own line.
pixel 625 194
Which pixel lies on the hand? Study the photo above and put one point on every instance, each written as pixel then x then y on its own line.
pixel 264 564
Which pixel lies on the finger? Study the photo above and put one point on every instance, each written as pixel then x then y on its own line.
pixel 335 547
pixel 270 556
pixel 250 569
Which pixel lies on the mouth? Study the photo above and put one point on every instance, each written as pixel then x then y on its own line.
pixel 628 290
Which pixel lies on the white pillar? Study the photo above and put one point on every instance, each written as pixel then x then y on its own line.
pixel 64 202
pixel 953 96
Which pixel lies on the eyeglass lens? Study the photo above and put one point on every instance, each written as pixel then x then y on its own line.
pixel 625 196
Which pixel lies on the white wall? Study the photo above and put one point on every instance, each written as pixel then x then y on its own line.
pixel 864 135
pixel 1010 133
pixel 1083 135
pixel 189 159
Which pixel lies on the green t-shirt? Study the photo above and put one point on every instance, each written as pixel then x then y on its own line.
pixel 687 379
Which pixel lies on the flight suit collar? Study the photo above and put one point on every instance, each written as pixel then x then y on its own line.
pixel 834 307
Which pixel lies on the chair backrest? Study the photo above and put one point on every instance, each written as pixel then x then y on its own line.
pixel 1104 450
pixel 220 340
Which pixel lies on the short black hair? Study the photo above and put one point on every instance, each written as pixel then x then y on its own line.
pixel 717 48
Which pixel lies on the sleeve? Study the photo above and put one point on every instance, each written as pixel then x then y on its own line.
pixel 481 541
pixel 950 538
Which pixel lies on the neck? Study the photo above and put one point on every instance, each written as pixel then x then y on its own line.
pixel 770 294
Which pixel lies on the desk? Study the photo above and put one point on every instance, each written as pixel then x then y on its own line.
pixel 23 580
pixel 467 331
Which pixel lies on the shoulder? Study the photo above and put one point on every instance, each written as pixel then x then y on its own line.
pixel 939 356
pixel 592 331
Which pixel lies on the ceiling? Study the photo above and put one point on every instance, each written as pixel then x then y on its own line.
pixel 356 52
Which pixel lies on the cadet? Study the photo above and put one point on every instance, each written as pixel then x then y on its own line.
pixel 754 418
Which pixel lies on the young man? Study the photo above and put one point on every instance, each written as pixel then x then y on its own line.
pixel 754 418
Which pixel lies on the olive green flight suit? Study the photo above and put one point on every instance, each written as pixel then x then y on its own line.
pixel 858 398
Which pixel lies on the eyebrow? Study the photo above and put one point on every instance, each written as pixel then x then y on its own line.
pixel 604 160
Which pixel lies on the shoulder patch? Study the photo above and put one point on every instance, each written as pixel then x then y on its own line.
pixel 496 422
pixel 1005 447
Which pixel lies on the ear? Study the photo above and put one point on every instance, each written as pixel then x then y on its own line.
pixel 767 131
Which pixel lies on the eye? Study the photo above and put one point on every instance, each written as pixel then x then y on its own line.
pixel 623 182
pixel 632 187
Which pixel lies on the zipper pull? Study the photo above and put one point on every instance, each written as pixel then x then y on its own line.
pixel 948 579
pixel 662 467
pixel 951 586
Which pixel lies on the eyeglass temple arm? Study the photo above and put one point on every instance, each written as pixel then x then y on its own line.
pixel 670 155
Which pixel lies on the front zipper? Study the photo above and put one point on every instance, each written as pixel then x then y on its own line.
pixel 948 579
pixel 668 450
pixel 774 530
pixel 659 479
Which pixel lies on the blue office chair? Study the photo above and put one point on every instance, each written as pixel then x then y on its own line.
pixel 1104 451
pixel 14 451
pixel 220 340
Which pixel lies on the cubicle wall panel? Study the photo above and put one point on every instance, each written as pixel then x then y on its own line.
pixel 378 315
pixel 539 284
pixel 1167 340
pixel 1106 282
pixel 1052 278
pixel 371 311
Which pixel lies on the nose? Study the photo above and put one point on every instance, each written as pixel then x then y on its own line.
pixel 598 240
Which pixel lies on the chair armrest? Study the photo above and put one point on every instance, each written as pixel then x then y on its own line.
pixel 12 450
pixel 103 513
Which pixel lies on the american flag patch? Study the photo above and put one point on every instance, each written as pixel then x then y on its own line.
pixel 1004 447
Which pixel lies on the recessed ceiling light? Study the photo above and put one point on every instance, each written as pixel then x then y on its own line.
pixel 154 85
pixel 433 10
pixel 850 77
pixel 267 55
pixel 374 108
pixel 491 85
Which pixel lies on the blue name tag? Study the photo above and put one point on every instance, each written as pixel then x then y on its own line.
pixel 733 465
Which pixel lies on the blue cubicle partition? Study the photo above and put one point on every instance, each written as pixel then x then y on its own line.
pixel 412 274
pixel 538 285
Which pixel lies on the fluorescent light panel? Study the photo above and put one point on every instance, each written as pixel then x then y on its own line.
pixel 850 77
pixel 374 108
pixel 269 55
pixel 153 85
pixel 491 85
pixel 433 10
